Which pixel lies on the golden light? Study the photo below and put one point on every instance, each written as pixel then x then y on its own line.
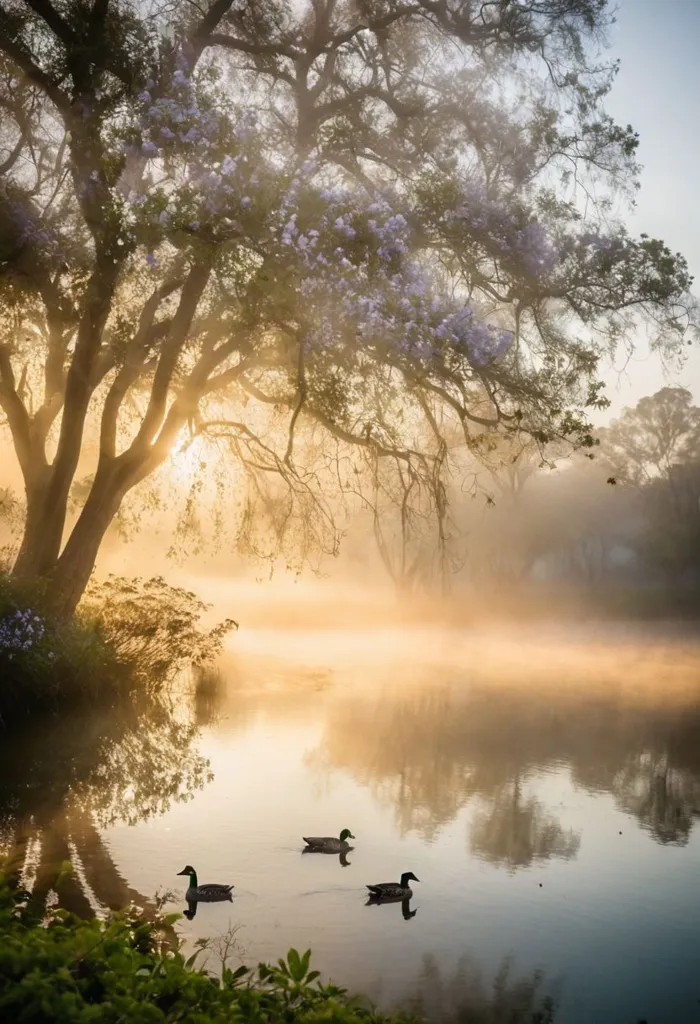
pixel 187 459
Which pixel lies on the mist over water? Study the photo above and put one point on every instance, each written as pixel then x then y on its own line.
pixel 543 784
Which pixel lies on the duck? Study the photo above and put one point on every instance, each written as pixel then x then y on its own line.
pixel 209 893
pixel 328 844
pixel 400 890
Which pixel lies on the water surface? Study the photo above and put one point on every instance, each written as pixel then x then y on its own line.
pixel 545 789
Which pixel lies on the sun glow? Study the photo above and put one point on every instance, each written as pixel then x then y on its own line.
pixel 187 460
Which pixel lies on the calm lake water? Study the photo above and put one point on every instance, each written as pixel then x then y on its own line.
pixel 543 785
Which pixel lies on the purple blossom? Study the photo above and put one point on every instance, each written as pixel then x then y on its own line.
pixel 151 260
pixel 497 227
pixel 229 166
pixel 20 631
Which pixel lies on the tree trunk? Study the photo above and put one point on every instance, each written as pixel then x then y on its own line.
pixel 72 571
pixel 37 553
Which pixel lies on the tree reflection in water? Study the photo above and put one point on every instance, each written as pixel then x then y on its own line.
pixel 68 777
pixel 428 750
pixel 465 998
pixel 517 831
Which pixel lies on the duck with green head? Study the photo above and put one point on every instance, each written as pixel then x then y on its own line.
pixel 382 892
pixel 211 892
pixel 328 844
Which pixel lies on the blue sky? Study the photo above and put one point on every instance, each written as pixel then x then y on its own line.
pixel 658 93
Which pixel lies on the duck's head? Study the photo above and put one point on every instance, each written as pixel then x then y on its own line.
pixel 346 834
pixel 407 877
pixel 188 870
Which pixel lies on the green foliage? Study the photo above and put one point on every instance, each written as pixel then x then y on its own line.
pixel 126 633
pixel 153 626
pixel 61 661
pixel 72 970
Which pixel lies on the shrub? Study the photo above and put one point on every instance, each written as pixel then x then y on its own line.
pixel 126 632
pixel 42 661
pixel 153 626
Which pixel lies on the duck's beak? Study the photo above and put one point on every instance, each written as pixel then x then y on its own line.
pixel 183 872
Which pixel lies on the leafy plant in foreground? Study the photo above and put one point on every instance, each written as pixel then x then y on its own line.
pixel 70 970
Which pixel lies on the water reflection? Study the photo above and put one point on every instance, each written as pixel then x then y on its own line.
pixel 517 831
pixel 342 857
pixel 191 910
pixel 412 744
pixel 407 913
pixel 66 778
pixel 428 750
pixel 463 997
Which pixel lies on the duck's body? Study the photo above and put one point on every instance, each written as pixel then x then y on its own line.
pixel 211 892
pixel 329 844
pixel 386 891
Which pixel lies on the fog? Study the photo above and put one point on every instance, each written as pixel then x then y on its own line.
pixel 528 537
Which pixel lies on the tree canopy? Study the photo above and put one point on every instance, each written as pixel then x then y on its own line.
pixel 331 224
pixel 647 441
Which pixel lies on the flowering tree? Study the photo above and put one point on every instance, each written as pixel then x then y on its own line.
pixel 358 214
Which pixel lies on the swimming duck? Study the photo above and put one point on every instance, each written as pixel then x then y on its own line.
pixel 327 844
pixel 394 890
pixel 210 893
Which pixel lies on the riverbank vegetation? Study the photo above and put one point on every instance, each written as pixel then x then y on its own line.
pixel 126 634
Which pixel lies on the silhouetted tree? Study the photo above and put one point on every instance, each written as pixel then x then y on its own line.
pixel 647 441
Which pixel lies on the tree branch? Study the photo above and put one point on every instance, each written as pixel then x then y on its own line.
pixel 17 416
pixel 22 58
pixel 58 25
pixel 192 291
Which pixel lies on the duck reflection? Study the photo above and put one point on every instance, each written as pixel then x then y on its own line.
pixel 191 911
pixel 342 857
pixel 405 901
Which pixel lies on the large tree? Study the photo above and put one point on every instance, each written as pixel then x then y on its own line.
pixel 654 450
pixel 661 431
pixel 353 214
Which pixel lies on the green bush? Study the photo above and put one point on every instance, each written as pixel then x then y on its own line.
pixel 44 662
pixel 126 633
pixel 153 626
pixel 67 970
